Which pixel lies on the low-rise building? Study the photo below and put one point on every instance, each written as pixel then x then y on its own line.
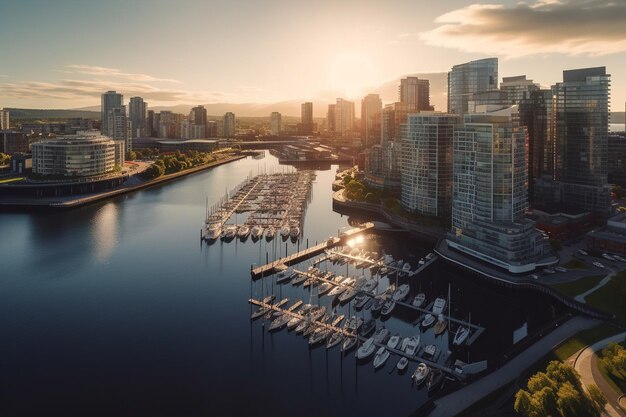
pixel 610 238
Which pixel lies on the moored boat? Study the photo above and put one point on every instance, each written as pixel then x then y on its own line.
pixel 366 349
pixel 461 336
pixel 441 325
pixel 419 300
pixel 402 364
pixel 428 320
pixel 393 341
pixel 401 292
pixel 381 357
pixel 420 374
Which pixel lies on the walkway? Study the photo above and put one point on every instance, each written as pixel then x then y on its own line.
pixel 454 403
pixel 605 280
pixel 586 363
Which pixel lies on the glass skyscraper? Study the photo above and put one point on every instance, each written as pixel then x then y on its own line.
pixel 467 79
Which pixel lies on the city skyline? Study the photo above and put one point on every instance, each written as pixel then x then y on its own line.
pixel 314 54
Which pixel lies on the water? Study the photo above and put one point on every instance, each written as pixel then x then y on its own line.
pixel 117 309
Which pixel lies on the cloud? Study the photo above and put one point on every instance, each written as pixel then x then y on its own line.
pixel 400 37
pixel 113 72
pixel 572 27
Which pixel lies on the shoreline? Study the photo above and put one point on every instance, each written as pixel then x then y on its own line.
pixel 82 200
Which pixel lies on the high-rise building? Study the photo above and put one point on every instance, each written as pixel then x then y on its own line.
pixel 427 163
pixel 109 101
pixel 467 79
pixel 518 88
pixel 330 118
pixel 582 119
pixel 211 129
pixel 371 109
pixel 306 118
pixel 415 93
pixel 489 197
pixel 137 116
pixel 344 116
pixel 150 123
pixel 170 124
pixel 275 123
pixel 119 127
pixel 198 116
pixel 156 125
pixel 229 125
pixel 4 119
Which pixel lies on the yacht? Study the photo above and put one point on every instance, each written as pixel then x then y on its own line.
pixel 461 336
pixel 439 305
pixel 285 276
pixel 388 307
pixel 270 232
pixel 435 379
pixel 381 357
pixel 367 328
pixel 324 288
pixel 402 364
pixel 347 295
pixel 428 320
pixel 257 232
pixel 361 301
pixel 348 343
pixel 419 300
pixel 213 231
pixel 298 279
pixel 441 325
pixel 420 374
pixel 334 340
pixel 401 292
pixel 294 322
pixel 381 335
pixel 369 285
pixel 336 291
pixel 379 302
pixel 393 341
pixel 284 232
pixel 243 232
pixel 412 345
pixel 279 322
pixel 367 349
pixel 229 232
pixel 353 323
pixel 319 335
pixel 304 324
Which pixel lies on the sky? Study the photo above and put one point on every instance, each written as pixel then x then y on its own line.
pixel 65 53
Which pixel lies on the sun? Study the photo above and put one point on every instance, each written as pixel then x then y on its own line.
pixel 352 74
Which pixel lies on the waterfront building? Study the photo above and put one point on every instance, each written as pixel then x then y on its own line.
pixel 467 79
pixel 371 109
pixel 306 118
pixel 415 93
pixel 4 119
pixel 229 125
pixel 109 101
pixel 518 88
pixel 82 155
pixel 344 116
pixel 489 197
pixel 330 118
pixel 275 123
pixel 119 127
pixel 137 117
pixel 393 117
pixel 426 182
pixel 617 160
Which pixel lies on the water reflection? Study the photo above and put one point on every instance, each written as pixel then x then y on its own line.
pixel 104 232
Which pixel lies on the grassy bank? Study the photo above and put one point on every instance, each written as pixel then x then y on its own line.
pixel 574 288
pixel 611 297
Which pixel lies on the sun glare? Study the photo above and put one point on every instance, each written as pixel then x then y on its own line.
pixel 352 74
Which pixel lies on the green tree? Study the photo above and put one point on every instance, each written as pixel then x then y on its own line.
pixel 131 156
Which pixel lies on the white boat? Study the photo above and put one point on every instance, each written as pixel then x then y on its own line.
pixel 294 232
pixel 284 231
pixel 243 231
pixel 381 357
pixel 334 340
pixel 393 341
pixel 347 295
pixel 412 346
pixel 388 307
pixel 402 364
pixel 430 350
pixel 420 374
pixel 404 343
pixel 406 267
pixel 367 349
pixel 294 322
pixel 461 336
pixel 381 335
pixel 439 305
pixel 419 300
pixel 336 291
pixel 428 320
pixel 257 232
pixel 401 292
pixel 270 232
pixel 213 231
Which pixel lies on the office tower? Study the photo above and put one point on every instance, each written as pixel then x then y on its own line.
pixel 119 127
pixel 156 125
pixel 393 117
pixel 330 118
pixel 137 116
pixel 109 101
pixel 4 119
pixel 170 124
pixel 489 194
pixel 486 101
pixel 306 118
pixel 344 116
pixel 229 125
pixel 536 113
pixel 415 93
pixel 518 88
pixel 211 129
pixel 582 118
pixel 426 183
pixel 150 123
pixel 275 123
pixel 371 109
pixel 198 116
pixel 469 78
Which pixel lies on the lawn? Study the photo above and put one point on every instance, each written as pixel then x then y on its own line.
pixel 573 288
pixel 575 264
pixel 611 297
pixel 618 382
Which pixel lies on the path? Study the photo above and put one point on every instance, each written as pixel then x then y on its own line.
pixel 454 403
pixel 586 363
pixel 605 280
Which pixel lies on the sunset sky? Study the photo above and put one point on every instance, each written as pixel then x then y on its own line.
pixel 64 54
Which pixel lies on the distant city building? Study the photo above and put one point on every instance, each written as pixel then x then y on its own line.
pixel 137 116
pixel 415 93
pixel 331 119
pixel 198 116
pixel 371 109
pixel 485 101
pixel 306 118
pixel 467 79
pixel 229 125
pixel 489 194
pixel 344 116
pixel 275 123
pixel 211 129
pixel 109 101
pixel 518 88
pixel 12 142
pixel 617 160
pixel 77 156
pixel 4 119
pixel 119 126
pixel 150 124
pixel 170 124
pixel 427 163
pixel 610 238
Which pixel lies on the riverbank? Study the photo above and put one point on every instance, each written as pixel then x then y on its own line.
pixel 84 199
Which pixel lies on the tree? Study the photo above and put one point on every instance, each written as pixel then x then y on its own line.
pixel 4 158
pixel 131 156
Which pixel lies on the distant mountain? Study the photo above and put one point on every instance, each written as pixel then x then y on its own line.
pixel 46 114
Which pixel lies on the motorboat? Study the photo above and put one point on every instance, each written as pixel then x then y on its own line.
pixel 394 341
pixel 213 231
pixel 324 288
pixel 294 322
pixel 388 307
pixel 420 374
pixel 348 282
pixel 348 344
pixel 366 349
pixel 319 335
pixel 383 271
pixel 339 279
pixel 284 276
pixel 243 232
pixel 419 300
pixel 369 285
pixel 279 322
pixel 262 310
pixel 381 335
pixel 428 320
pixel 284 232
pixel 430 350
pixel 378 304
pixel 317 313
pixel 347 295
pixel 381 357
pixel 401 292
pixel 257 232
pixel 361 301
pixel 367 328
pixel 404 343
pixel 461 336
pixel 270 232
pixel 439 305
pixel 412 346
pixel 406 268
pixel 435 379
pixel 229 232
pixel 353 323
pixel 304 324
pixel 294 232
pixel 402 364
pixel 441 325
pixel 298 279
pixel 334 340
pixel 336 291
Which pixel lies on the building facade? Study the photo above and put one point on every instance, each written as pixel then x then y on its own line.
pixel 331 119
pixel 4 119
pixel 275 123
pixel 306 118
pixel 371 109
pixel 109 101
pixel 229 125
pixel 137 116
pixel 415 93
pixel 119 127
pixel 344 116
pixel 467 79
pixel 518 88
